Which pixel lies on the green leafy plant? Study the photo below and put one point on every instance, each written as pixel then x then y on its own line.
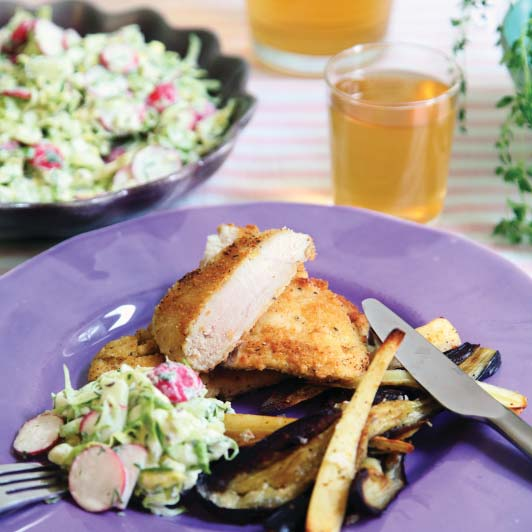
pixel 461 23
pixel 517 226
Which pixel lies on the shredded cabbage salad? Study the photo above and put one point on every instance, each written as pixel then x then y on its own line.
pixel 181 438
pixel 81 116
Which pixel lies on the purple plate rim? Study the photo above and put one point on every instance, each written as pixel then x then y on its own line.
pixel 376 214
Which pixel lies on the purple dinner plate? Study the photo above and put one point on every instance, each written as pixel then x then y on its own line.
pixel 63 305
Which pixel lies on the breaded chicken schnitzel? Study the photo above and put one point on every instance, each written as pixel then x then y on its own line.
pixel 203 316
pixel 309 332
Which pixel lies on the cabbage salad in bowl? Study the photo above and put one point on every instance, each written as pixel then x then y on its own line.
pixel 147 432
pixel 81 116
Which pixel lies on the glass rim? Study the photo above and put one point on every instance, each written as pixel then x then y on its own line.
pixel 354 50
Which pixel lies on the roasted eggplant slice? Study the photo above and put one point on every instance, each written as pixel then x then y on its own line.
pixel 482 364
pixel 289 517
pixel 388 393
pixel 395 417
pixel 290 393
pixel 275 470
pixel 376 485
pixel 461 353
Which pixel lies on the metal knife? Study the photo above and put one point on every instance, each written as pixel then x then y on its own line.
pixel 444 380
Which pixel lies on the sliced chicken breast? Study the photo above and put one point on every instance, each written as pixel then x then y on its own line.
pixel 225 235
pixel 204 315
pixel 309 332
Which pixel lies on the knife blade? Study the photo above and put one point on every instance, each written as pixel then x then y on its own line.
pixel 444 380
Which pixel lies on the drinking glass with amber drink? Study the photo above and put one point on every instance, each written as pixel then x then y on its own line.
pixel 392 114
pixel 298 36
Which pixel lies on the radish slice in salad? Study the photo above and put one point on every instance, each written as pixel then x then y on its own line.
pixel 178 382
pixel 88 423
pixel 153 162
pixel 48 37
pixel 162 96
pixel 121 116
pixel 70 38
pixel 38 434
pixel 119 58
pixel 115 153
pixel 46 156
pixel 18 37
pixel 123 178
pixel 101 83
pixel 21 32
pixel 108 88
pixel 97 478
pixel 10 145
pixel 134 458
pixel 18 92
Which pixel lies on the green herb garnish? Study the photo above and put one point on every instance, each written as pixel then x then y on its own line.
pixel 461 23
pixel 518 226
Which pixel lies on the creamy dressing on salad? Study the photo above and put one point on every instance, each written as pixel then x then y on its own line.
pixel 127 406
pixel 81 116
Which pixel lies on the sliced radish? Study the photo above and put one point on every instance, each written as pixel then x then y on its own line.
pixel 18 38
pixel 46 156
pixel 153 162
pixel 10 145
pixel 88 423
pixel 38 435
pixel 162 96
pixel 177 381
pixel 119 58
pixel 18 92
pixel 97 478
pixel 70 38
pixel 49 37
pixel 123 178
pixel 115 153
pixel 122 117
pixel 21 32
pixel 108 88
pixel 134 458
pixel 208 109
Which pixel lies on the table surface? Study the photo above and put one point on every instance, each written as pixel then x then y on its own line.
pixel 283 155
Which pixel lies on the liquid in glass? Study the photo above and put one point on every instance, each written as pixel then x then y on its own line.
pixel 391 137
pixel 316 27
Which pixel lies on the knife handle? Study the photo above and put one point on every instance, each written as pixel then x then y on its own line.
pixel 515 430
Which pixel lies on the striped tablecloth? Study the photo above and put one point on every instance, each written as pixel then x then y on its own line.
pixel 284 153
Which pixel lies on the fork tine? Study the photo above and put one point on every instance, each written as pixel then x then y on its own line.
pixel 17 487
pixel 23 466
pixel 15 500
pixel 19 477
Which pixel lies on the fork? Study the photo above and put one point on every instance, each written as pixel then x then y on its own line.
pixel 25 483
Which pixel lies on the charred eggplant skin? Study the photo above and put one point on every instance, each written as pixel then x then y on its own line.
pixel 360 496
pixel 491 368
pixel 227 515
pixel 460 353
pixel 289 517
pixel 289 394
pixel 268 449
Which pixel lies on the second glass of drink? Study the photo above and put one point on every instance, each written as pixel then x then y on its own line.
pixel 392 113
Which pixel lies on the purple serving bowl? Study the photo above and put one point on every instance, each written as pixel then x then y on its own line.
pixel 57 220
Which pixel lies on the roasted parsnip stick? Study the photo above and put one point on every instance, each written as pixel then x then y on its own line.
pixel 329 496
